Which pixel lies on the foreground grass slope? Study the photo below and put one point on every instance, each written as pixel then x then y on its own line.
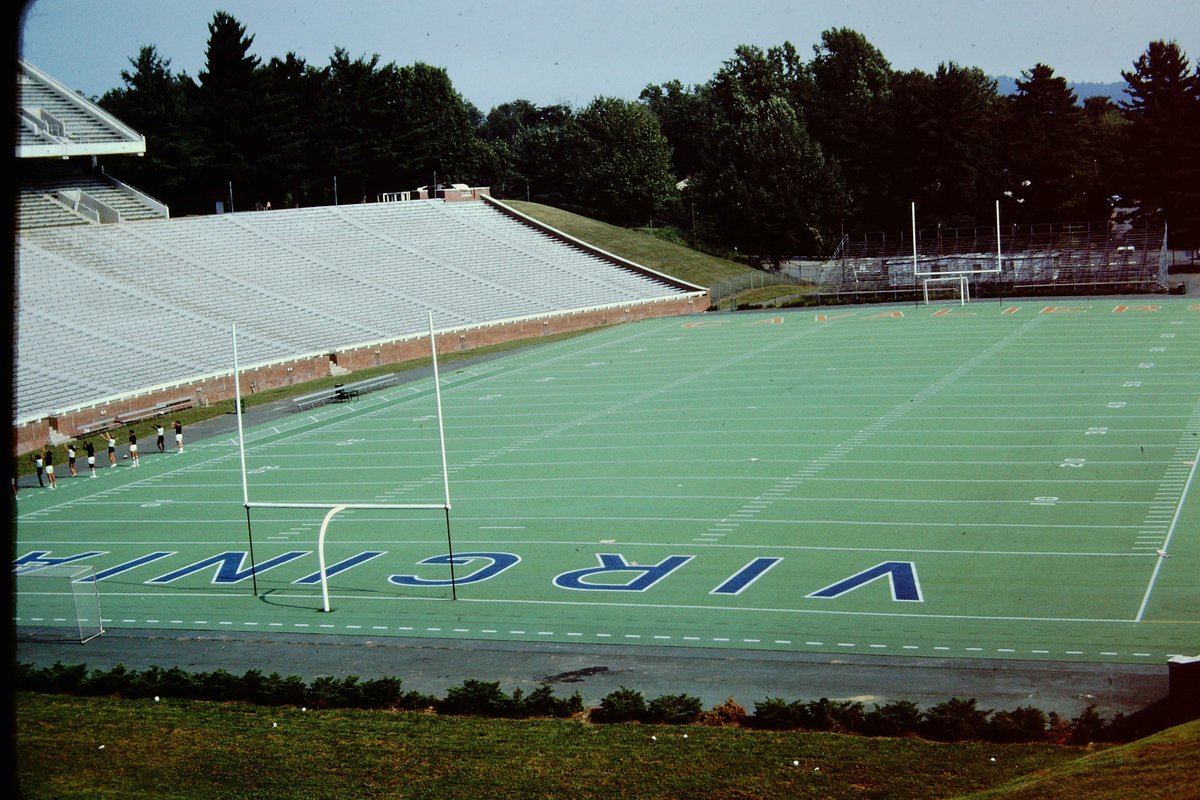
pixel 71 747
pixel 76 747
pixel 1166 764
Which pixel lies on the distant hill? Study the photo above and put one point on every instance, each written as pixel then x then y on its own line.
pixel 1007 85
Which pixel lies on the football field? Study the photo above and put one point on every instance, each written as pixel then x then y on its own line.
pixel 1003 480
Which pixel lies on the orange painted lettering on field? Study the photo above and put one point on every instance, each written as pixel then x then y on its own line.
pixel 706 323
pixel 827 318
pixel 887 315
pixel 1142 309
pixel 1064 310
pixel 767 321
pixel 1194 307
pixel 950 312
pixel 1011 310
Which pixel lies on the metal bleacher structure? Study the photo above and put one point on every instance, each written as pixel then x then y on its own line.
pixel 1096 258
pixel 116 299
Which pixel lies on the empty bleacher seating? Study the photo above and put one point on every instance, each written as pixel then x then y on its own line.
pixel 1088 259
pixel 113 309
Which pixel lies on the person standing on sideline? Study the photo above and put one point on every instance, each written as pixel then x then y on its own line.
pixel 133 458
pixel 40 465
pixel 71 458
pixel 112 449
pixel 158 430
pixel 50 468
pixel 91 457
pixel 178 436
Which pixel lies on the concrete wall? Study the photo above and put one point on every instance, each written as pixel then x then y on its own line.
pixel 254 379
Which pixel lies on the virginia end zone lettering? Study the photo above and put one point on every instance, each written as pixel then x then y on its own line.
pixel 614 573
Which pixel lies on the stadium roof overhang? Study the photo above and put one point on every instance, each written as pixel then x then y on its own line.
pixel 107 134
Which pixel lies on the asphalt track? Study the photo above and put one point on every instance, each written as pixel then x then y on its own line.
pixel 433 666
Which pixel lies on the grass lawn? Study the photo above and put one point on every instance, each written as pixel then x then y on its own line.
pixel 72 747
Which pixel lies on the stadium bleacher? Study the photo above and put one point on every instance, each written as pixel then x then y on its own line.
pixel 117 298
pixel 158 297
pixel 1067 259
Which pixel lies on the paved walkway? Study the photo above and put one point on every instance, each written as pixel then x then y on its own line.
pixel 433 666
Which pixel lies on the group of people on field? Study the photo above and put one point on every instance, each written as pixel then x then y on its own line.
pixel 43 460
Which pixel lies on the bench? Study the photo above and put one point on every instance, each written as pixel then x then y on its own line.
pixel 341 393
pixel 97 426
pixel 369 385
pixel 150 412
pixel 314 399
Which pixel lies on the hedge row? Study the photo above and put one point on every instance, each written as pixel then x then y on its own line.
pixel 954 720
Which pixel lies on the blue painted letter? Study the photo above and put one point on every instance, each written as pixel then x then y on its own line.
pixel 498 563
pixel 901 575
pixel 650 574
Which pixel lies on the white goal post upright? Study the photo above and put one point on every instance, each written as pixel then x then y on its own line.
pixel 237 412
pixel 332 509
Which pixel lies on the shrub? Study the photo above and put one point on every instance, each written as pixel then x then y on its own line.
pixel 673 709
pixel 276 690
pixel 1058 729
pixel 954 720
pixel 173 682
pixel 58 678
pixel 830 715
pixel 1087 727
pixel 902 718
pixel 113 682
pixel 477 698
pixel 329 692
pixel 623 705
pixel 727 713
pixel 776 714
pixel 379 693
pixel 416 701
pixel 1025 724
pixel 220 685
pixel 541 702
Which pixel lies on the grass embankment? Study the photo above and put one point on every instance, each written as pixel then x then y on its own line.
pixel 81 747
pixel 1163 765
pixel 638 246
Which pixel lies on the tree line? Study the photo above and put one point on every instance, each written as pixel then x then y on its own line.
pixel 775 155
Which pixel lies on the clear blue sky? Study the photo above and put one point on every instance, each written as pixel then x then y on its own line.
pixel 552 51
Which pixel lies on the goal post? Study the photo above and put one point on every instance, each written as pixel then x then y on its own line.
pixel 953 277
pixel 332 509
pixel 57 602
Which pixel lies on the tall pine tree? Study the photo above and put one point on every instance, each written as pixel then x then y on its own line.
pixel 1162 147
